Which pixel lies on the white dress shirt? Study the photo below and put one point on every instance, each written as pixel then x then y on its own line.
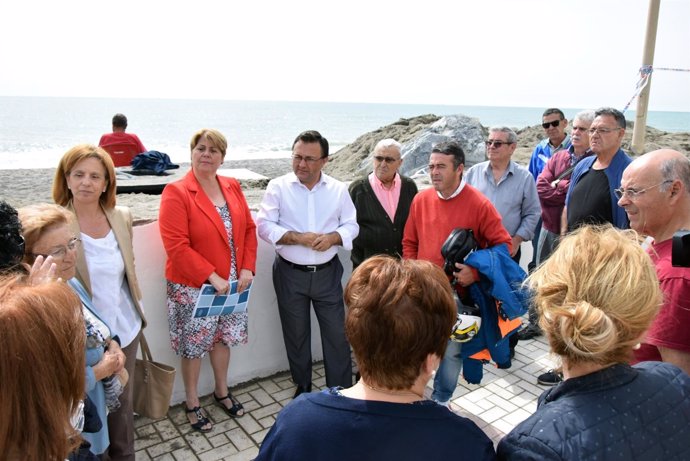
pixel 288 205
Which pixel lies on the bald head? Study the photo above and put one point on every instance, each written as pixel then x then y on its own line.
pixel 656 193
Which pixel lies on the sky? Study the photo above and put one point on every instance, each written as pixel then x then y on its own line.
pixel 532 53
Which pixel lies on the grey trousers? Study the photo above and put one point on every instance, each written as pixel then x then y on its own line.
pixel 297 291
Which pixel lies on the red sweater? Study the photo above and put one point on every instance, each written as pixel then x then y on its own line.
pixel 432 219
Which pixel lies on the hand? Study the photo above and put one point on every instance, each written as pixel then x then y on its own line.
pixel 120 359
pixel 245 279
pixel 517 240
pixel 219 283
pixel 465 276
pixel 43 271
pixel 324 241
pixel 307 238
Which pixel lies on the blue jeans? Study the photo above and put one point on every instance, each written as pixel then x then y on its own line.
pixel 446 379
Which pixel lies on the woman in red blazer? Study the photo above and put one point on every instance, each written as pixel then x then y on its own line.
pixel 210 237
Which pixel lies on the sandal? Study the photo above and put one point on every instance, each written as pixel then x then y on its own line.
pixel 201 420
pixel 235 409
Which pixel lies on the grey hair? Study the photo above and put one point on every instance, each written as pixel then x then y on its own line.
pixel 386 143
pixel 586 116
pixel 512 137
pixel 611 112
pixel 676 168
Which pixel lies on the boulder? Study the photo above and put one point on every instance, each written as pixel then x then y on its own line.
pixel 466 130
pixel 417 135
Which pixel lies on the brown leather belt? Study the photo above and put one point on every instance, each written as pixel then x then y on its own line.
pixel 309 268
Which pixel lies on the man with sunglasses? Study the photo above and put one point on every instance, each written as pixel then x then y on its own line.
pixel 552 186
pixel 508 186
pixel 306 215
pixel 554 124
pixel 655 193
pixel 382 201
pixel 591 195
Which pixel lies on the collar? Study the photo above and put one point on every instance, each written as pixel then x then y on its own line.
pixel 454 194
pixel 608 378
pixel 373 177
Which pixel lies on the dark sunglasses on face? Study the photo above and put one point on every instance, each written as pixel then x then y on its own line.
pixel 496 144
pixel 378 158
pixel 554 124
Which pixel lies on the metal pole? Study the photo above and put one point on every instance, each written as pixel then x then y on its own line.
pixel 647 60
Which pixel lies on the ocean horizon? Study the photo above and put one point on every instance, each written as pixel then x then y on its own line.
pixel 36 131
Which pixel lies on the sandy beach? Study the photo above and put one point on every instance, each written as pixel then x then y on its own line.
pixel 27 186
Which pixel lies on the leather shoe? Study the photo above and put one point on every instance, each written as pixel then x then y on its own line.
pixel 301 390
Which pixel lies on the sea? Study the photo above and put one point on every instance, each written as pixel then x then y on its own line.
pixel 36 131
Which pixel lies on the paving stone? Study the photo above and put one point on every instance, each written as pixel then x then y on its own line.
pixel 269 410
pixel 166 429
pixel 262 397
pixel 218 453
pixel 249 424
pixel 183 454
pixel 245 455
pixel 166 447
pixel 503 399
pixel 198 441
pixel 218 440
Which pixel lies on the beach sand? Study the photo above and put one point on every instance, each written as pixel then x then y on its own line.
pixel 24 187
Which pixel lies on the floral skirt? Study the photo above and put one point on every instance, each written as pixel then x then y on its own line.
pixel 193 338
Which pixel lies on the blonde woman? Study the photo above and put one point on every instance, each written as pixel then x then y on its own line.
pixel 596 295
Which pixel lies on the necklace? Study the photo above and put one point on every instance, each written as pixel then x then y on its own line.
pixel 386 391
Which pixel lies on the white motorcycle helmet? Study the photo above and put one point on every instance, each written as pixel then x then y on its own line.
pixel 468 323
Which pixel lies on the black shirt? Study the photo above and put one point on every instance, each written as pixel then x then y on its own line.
pixel 590 200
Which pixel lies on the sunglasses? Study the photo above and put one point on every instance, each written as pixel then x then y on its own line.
pixel 378 158
pixel 496 144
pixel 553 124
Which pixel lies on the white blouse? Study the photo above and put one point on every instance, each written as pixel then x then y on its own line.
pixel 111 295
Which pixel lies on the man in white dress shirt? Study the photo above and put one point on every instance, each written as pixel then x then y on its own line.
pixel 306 215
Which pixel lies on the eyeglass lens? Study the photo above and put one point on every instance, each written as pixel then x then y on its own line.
pixel 554 124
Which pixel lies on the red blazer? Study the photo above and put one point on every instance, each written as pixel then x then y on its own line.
pixel 194 236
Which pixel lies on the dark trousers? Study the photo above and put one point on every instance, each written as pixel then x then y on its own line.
pixel 121 422
pixel 297 291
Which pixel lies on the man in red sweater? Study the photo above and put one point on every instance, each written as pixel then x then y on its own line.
pixel 434 213
pixel 118 136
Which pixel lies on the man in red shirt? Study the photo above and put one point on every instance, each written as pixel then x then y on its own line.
pixel 434 213
pixel 118 136
pixel 655 193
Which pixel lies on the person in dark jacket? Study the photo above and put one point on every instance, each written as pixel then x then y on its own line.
pixel 596 296
pixel 382 200
pixel 399 316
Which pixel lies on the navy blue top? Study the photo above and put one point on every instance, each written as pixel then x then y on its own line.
pixel 328 426
pixel 620 413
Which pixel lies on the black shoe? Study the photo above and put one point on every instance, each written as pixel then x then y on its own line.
pixel 529 332
pixel 301 390
pixel 550 378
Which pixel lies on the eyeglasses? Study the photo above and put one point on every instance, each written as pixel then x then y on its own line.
pixel 602 130
pixel 632 193
pixel 307 160
pixel 496 144
pixel 61 251
pixel 554 124
pixel 379 159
